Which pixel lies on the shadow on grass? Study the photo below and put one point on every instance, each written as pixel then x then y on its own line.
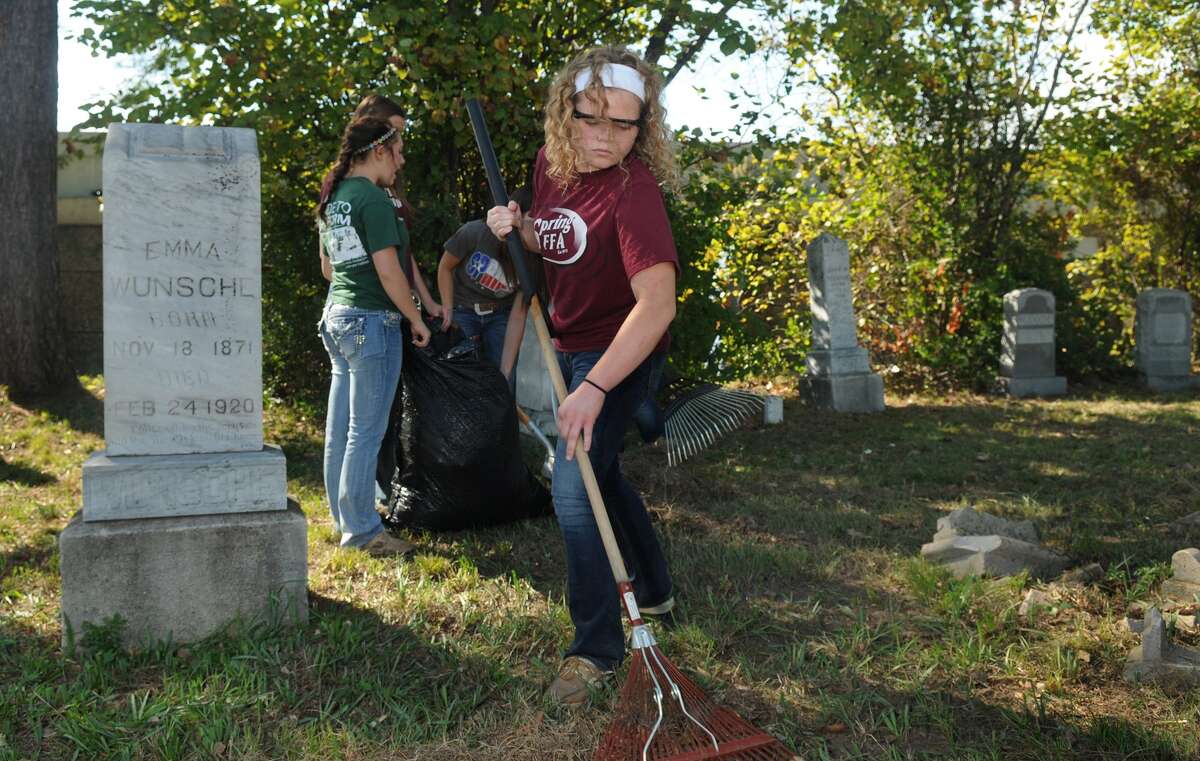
pixel 24 475
pixel 36 555
pixel 267 689
pixel 1100 485
pixel 76 406
pixel 885 723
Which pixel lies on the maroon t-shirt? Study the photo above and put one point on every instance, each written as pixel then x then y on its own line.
pixel 595 235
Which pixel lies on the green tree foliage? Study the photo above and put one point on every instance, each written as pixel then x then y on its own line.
pixel 294 70
pixel 1131 164
pixel 957 145
pixel 932 113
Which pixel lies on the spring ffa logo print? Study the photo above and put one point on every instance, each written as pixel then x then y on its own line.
pixel 340 239
pixel 563 237
pixel 487 273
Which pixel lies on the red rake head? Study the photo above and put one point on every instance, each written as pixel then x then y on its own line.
pixel 663 716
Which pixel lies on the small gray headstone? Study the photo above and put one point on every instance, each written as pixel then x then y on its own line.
pixel 1163 334
pixel 839 372
pixel 772 409
pixel 1184 584
pixel 1027 348
pixel 967 521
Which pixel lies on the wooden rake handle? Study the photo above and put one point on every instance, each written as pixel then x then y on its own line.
pixel 611 549
pixel 500 196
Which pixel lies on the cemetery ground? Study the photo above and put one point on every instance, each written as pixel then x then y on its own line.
pixel 804 603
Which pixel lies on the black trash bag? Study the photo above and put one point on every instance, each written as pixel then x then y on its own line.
pixel 454 443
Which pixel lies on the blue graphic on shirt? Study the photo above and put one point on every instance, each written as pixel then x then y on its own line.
pixel 488 273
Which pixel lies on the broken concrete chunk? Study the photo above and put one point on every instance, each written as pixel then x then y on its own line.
pixel 1181 590
pixel 1154 635
pixel 1185 582
pixel 1158 660
pixel 1084 575
pixel 1035 598
pixel 994 556
pixel 1185 565
pixel 967 521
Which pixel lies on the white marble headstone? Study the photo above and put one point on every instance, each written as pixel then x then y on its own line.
pixel 839 373
pixel 830 294
pixel 182 290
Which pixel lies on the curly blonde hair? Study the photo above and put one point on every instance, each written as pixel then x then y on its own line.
pixel 653 144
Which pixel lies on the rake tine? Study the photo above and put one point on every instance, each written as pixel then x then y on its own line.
pixel 658 701
pixel 700 425
pixel 699 417
pixel 675 693
pixel 683 436
pixel 712 420
pixel 691 420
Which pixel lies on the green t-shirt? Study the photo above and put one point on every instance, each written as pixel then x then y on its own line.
pixel 359 221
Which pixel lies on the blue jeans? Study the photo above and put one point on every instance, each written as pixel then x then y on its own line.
pixel 365 351
pixel 591 589
pixel 487 329
pixel 649 418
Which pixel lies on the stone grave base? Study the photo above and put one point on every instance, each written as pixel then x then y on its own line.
pixel 845 393
pixel 994 555
pixel 1180 589
pixel 184 578
pixel 1019 388
pixel 120 487
pixel 1170 382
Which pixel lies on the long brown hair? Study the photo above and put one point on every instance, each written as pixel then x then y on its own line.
pixel 359 134
pixel 382 107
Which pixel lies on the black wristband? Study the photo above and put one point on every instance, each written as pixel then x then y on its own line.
pixel 595 386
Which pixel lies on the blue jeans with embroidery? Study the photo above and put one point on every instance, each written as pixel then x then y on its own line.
pixel 487 329
pixel 591 589
pixel 365 351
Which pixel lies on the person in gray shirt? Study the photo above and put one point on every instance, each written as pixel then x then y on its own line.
pixel 478 286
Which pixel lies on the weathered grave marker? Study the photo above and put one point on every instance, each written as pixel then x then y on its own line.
pixel 839 372
pixel 1028 348
pixel 186 507
pixel 1163 333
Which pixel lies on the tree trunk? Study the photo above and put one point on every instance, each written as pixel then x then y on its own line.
pixel 33 355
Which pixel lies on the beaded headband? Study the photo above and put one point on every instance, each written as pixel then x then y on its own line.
pixel 386 136
pixel 616 75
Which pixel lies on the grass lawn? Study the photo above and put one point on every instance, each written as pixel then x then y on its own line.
pixel 804 604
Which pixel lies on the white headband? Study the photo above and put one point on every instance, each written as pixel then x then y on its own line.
pixel 615 75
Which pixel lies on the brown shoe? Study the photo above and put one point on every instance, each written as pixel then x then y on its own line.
pixel 576 678
pixel 385 545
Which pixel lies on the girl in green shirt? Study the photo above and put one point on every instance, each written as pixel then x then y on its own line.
pixel 360 326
